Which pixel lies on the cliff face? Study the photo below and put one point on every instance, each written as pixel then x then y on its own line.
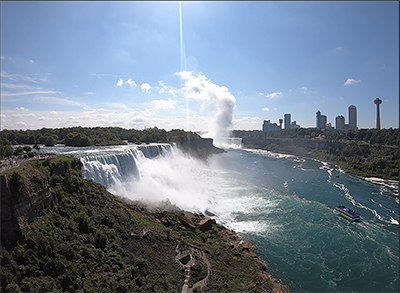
pixel 284 143
pixel 199 147
pixel 24 193
pixel 301 147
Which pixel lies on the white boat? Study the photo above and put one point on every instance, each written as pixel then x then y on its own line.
pixel 347 213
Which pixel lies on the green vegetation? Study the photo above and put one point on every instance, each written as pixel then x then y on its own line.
pixel 388 137
pixel 364 152
pixel 89 240
pixel 88 136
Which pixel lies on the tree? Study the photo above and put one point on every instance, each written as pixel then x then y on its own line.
pixel 49 141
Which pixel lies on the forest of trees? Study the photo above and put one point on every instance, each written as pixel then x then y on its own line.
pixel 370 136
pixel 88 136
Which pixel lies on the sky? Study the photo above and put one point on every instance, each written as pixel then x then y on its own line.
pixel 199 66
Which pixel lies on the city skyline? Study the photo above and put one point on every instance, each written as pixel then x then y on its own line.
pixel 322 121
pixel 207 65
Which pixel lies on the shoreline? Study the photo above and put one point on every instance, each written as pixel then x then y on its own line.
pixel 238 242
pixel 391 183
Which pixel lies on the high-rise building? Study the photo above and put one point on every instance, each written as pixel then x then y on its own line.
pixel 280 123
pixel 352 117
pixel 287 121
pixel 294 125
pixel 377 102
pixel 340 122
pixel 321 120
pixel 268 126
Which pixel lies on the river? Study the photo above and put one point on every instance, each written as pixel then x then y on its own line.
pixel 282 203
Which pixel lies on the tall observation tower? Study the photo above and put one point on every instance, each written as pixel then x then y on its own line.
pixel 377 102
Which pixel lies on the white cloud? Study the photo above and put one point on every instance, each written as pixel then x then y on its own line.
pixel 303 89
pixel 59 101
pixel 21 109
pixel 31 62
pixel 34 78
pixel 19 123
pixel 351 81
pixel 23 115
pixel 248 123
pixel 117 105
pixel 167 89
pixel 163 104
pixel 131 82
pixel 265 109
pixel 274 95
pixel 145 87
pixel 8 94
pixel 119 82
pixel 18 86
pixel 260 94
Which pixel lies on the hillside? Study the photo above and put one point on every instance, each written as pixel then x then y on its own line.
pixel 61 232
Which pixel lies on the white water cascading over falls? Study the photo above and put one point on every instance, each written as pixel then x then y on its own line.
pixel 113 167
pixel 154 174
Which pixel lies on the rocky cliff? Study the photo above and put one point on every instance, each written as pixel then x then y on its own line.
pixel 201 147
pixel 24 193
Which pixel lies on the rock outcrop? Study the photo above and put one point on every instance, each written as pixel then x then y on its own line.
pixel 24 194
pixel 201 147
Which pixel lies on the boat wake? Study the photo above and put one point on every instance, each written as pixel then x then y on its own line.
pixel 390 219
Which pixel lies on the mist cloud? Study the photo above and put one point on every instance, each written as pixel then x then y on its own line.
pixel 214 98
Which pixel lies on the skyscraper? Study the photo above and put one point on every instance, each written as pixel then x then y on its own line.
pixel 377 102
pixel 287 121
pixel 352 117
pixel 321 120
pixel 340 122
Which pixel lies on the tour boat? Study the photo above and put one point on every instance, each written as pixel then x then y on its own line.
pixel 347 213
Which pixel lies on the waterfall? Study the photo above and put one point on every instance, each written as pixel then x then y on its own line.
pixel 114 166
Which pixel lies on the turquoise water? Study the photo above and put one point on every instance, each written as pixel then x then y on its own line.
pixel 304 243
pixel 282 203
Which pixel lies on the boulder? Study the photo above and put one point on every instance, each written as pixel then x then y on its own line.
pixel 205 224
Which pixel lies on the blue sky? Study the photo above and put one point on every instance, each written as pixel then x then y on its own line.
pixel 120 63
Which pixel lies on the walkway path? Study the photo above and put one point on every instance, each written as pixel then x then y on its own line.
pixel 13 162
pixel 186 260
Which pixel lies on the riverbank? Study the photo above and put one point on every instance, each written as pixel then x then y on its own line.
pixel 363 160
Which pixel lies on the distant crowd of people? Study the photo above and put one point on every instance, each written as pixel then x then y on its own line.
pixel 14 161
